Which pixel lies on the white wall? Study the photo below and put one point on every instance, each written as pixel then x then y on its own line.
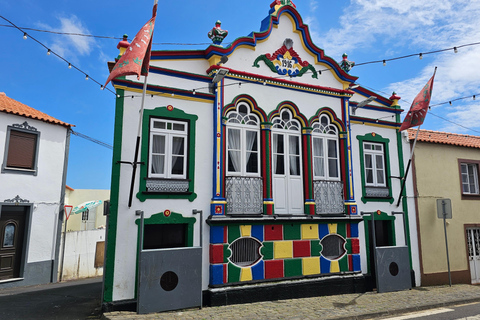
pixel 80 250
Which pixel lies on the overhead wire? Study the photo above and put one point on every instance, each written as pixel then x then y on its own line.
pixel 103 144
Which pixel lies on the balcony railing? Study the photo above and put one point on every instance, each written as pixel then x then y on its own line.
pixel 329 197
pixel 244 195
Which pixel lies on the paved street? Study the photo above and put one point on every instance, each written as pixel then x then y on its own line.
pixel 79 299
pixel 348 306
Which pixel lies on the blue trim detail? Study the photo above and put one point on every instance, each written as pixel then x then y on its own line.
pixel 216 274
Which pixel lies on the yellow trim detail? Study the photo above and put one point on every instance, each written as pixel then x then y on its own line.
pixel 332 228
pixel 334 266
pixel 246 274
pixel 246 230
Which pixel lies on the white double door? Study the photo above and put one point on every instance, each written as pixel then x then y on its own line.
pixel 287 173
pixel 473 237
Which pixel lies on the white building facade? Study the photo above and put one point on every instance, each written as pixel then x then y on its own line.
pixel 267 146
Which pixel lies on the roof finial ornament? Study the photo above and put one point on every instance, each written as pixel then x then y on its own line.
pixel 345 64
pixel 123 45
pixel 217 34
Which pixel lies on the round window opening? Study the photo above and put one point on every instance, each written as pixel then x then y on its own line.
pixel 393 268
pixel 333 247
pixel 245 251
pixel 169 281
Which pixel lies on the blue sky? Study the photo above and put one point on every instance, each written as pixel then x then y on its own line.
pixel 367 30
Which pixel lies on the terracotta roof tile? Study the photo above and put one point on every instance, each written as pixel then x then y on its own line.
pixel 455 139
pixel 12 106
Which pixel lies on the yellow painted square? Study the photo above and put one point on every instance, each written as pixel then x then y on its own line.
pixel 246 231
pixel 311 265
pixel 332 228
pixel 334 266
pixel 283 249
pixel 309 231
pixel 246 274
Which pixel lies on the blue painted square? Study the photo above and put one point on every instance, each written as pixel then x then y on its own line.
pixel 324 265
pixel 257 232
pixel 356 262
pixel 354 230
pixel 258 271
pixel 216 274
pixel 216 234
pixel 322 230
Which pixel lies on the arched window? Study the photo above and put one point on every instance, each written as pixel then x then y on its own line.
pixel 326 159
pixel 243 142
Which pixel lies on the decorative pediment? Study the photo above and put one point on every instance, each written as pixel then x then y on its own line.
pixel 17 199
pixel 285 61
pixel 25 126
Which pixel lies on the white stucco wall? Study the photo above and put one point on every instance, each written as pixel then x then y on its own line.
pixel 43 190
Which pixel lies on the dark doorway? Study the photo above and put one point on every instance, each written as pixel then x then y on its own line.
pixel 384 236
pixel 12 231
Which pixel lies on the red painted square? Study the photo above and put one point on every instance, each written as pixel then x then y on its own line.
pixel 349 232
pixel 350 262
pixel 301 248
pixel 274 269
pixel 273 232
pixel 216 253
pixel 355 245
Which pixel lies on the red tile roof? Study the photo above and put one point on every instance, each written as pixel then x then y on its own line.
pixel 12 106
pixel 461 140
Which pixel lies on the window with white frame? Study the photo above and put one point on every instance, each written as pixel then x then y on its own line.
pixel 243 142
pixel 374 164
pixel 326 164
pixel 469 175
pixel 168 149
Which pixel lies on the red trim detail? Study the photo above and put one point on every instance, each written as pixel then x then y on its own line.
pixel 350 262
pixel 273 232
pixel 225 268
pixel 216 253
pixel 274 269
pixel 349 231
pixel 301 248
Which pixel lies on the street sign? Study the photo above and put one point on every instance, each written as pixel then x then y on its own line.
pixel 444 208
pixel 68 210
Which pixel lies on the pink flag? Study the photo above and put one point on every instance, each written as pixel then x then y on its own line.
pixel 418 109
pixel 136 58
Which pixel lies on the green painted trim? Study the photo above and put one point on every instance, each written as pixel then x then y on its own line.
pixel 378 139
pixel 343 263
pixel 174 114
pixel 233 273
pixel 315 248
pixel 367 224
pixel 267 250
pixel 292 231
pixel 292 267
pixel 173 218
pixel 404 193
pixel 109 269
pixel 233 233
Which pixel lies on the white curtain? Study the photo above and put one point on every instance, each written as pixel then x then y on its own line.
pixel 158 154
pixel 294 152
pixel 234 154
pixel 318 163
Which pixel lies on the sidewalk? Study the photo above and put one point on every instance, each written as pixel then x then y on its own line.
pixel 346 306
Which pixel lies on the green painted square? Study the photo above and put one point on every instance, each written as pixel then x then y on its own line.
pixel 315 248
pixel 342 230
pixel 348 246
pixel 233 233
pixel 233 273
pixel 293 267
pixel 226 253
pixel 267 250
pixel 343 263
pixel 292 231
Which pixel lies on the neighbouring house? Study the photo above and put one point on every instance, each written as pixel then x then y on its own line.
pixel 263 169
pixel 446 166
pixel 85 236
pixel 34 155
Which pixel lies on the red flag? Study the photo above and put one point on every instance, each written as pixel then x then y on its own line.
pixel 136 58
pixel 418 109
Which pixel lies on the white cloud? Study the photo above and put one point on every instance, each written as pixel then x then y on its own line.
pixel 394 28
pixel 71 46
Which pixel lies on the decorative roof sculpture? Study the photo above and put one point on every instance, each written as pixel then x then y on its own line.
pixel 217 34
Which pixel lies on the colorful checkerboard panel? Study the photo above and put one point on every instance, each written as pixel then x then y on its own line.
pixel 287 250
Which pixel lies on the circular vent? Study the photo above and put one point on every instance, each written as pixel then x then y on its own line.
pixel 333 247
pixel 245 251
